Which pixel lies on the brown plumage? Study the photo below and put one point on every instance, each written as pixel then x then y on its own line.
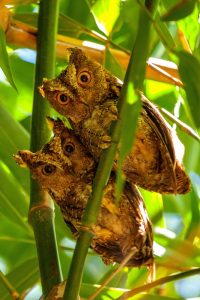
pixel 87 94
pixel 65 169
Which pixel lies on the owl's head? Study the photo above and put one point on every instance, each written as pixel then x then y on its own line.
pixel 73 150
pixel 79 87
pixel 61 161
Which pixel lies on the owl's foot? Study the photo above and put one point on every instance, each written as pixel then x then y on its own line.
pixel 86 228
pixel 105 142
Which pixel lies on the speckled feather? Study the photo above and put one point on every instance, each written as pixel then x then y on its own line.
pixel 66 170
pixel 87 95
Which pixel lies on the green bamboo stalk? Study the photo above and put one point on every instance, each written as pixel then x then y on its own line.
pixel 41 214
pixel 158 282
pixel 135 74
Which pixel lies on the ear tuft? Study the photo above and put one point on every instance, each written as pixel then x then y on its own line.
pixel 23 158
pixel 20 161
pixel 56 125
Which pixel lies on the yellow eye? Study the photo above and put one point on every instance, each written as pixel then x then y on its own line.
pixel 62 98
pixel 84 78
pixel 48 169
pixel 68 148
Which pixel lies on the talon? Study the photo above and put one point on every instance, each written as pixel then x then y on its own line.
pixel 105 142
pixel 104 145
pixel 86 228
pixel 106 139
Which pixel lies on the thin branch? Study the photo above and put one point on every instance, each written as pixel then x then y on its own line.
pixel 158 282
pixel 184 127
pixel 12 291
pixel 115 272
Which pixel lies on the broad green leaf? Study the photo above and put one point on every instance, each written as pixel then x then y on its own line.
pixel 17 134
pixel 154 206
pixel 189 69
pixel 194 226
pixel 166 33
pixel 190 27
pixel 180 10
pixel 13 200
pixel 7 150
pixel 22 277
pixel 4 60
pixel 13 138
pixel 105 13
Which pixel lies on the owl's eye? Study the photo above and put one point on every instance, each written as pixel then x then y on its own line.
pixel 48 169
pixel 62 98
pixel 68 148
pixel 84 78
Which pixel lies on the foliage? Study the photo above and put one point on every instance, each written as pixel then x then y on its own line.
pixel 175 219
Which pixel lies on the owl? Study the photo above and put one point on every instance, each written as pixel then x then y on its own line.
pixel 66 169
pixel 87 95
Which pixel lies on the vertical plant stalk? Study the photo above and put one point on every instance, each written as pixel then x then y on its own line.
pixel 41 213
pixel 135 75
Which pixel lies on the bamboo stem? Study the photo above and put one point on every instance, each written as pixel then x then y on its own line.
pixel 41 214
pixel 135 73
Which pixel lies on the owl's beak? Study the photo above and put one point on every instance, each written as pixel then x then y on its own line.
pixel 70 170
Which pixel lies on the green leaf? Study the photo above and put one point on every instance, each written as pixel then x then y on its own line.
pixel 13 200
pixel 194 226
pixel 189 69
pixel 22 277
pixel 17 134
pixel 105 13
pixel 179 11
pixel 191 29
pixel 4 61
pixel 166 33
pixel 113 65
pixel 13 138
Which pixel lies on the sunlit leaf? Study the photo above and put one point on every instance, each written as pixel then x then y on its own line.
pixel 180 10
pixel 17 134
pixel 166 33
pixel 191 28
pixel 105 13
pixel 189 68
pixel 4 61
pixel 194 226
pixel 13 138
pixel 13 200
